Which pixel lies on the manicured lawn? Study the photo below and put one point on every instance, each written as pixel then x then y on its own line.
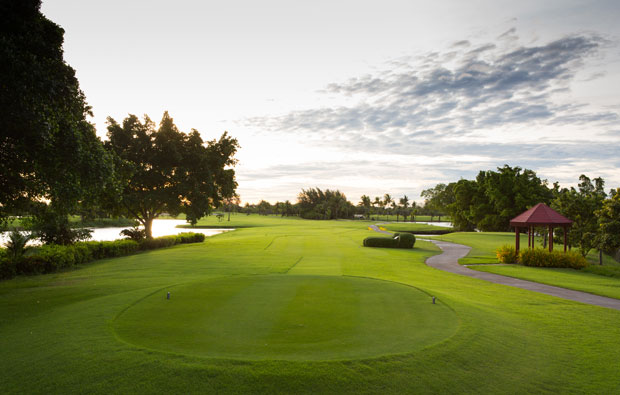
pixel 306 286
pixel 565 278
pixel 483 254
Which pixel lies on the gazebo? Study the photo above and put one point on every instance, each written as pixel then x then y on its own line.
pixel 540 215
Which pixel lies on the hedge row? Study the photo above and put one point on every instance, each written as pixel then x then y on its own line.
pixel 52 257
pixel 399 240
pixel 540 257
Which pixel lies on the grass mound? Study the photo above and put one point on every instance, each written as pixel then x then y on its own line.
pixel 287 318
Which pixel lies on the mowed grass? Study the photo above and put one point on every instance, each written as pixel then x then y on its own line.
pixel 60 333
pixel 484 245
pixel 287 317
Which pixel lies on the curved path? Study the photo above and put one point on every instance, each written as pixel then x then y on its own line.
pixel 449 261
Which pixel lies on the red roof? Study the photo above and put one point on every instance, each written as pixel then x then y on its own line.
pixel 541 214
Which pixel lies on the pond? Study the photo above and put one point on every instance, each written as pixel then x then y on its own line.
pixel 161 227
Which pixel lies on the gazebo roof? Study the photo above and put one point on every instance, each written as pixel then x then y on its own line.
pixel 541 214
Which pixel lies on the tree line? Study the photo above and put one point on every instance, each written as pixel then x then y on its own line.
pixel 52 163
pixel 489 202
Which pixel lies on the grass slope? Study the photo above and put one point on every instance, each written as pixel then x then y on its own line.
pixel 58 334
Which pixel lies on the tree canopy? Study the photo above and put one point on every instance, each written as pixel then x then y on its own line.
pixel 163 170
pixel 490 201
pixel 48 150
pixel 314 203
pixel 609 223
pixel 581 204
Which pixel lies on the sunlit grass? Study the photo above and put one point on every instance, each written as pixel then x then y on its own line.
pixel 58 332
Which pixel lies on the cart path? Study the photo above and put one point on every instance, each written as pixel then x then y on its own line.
pixel 448 261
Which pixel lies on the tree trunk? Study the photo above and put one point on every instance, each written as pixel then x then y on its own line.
pixel 148 228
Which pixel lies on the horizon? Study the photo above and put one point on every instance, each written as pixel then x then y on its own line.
pixel 364 99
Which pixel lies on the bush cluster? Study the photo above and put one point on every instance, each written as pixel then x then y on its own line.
pixel 53 257
pixel 399 240
pixel 540 257
pixel 507 254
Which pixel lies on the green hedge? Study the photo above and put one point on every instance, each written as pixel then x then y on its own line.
pixel 52 257
pixel 540 257
pixel 399 240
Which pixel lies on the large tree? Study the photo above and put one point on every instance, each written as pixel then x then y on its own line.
pixel 609 223
pixel 163 170
pixel 581 205
pixel 49 152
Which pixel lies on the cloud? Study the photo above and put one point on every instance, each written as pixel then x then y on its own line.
pixel 475 105
pixel 456 91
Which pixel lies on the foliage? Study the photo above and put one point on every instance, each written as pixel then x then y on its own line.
pixel 53 227
pixel 609 223
pixel 317 204
pixel 438 198
pixel 166 171
pixel 53 257
pixel 489 202
pixel 581 205
pixel 48 150
pixel 399 240
pixel 507 254
pixel 16 245
pixel 383 242
pixel 134 233
pixel 405 240
pixel 540 257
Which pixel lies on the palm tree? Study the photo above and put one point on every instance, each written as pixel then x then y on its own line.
pixel 377 202
pixel 366 203
pixel 387 199
pixel 404 203
pixel 16 245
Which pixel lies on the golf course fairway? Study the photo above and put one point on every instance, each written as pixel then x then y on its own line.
pixel 287 317
pixel 292 306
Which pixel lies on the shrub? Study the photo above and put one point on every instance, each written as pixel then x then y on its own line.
pixel 52 257
pixel 399 240
pixel 406 240
pixel 507 254
pixel 158 242
pixel 134 233
pixel 383 242
pixel 540 257
pixel 189 237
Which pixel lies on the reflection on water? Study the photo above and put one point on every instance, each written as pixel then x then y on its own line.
pixel 161 227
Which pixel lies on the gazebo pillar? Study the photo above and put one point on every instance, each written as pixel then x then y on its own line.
pixel 550 237
pixel 518 239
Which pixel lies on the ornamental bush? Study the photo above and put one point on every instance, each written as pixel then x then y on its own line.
pixel 406 240
pixel 53 257
pixel 507 254
pixel 539 257
pixel 399 240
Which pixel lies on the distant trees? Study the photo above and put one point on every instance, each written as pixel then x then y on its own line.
pixel 490 201
pixel 366 204
pixel 313 203
pixel 162 170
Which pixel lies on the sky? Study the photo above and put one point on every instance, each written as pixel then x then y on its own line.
pixel 368 97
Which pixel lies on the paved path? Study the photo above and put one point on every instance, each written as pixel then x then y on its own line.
pixel 449 261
